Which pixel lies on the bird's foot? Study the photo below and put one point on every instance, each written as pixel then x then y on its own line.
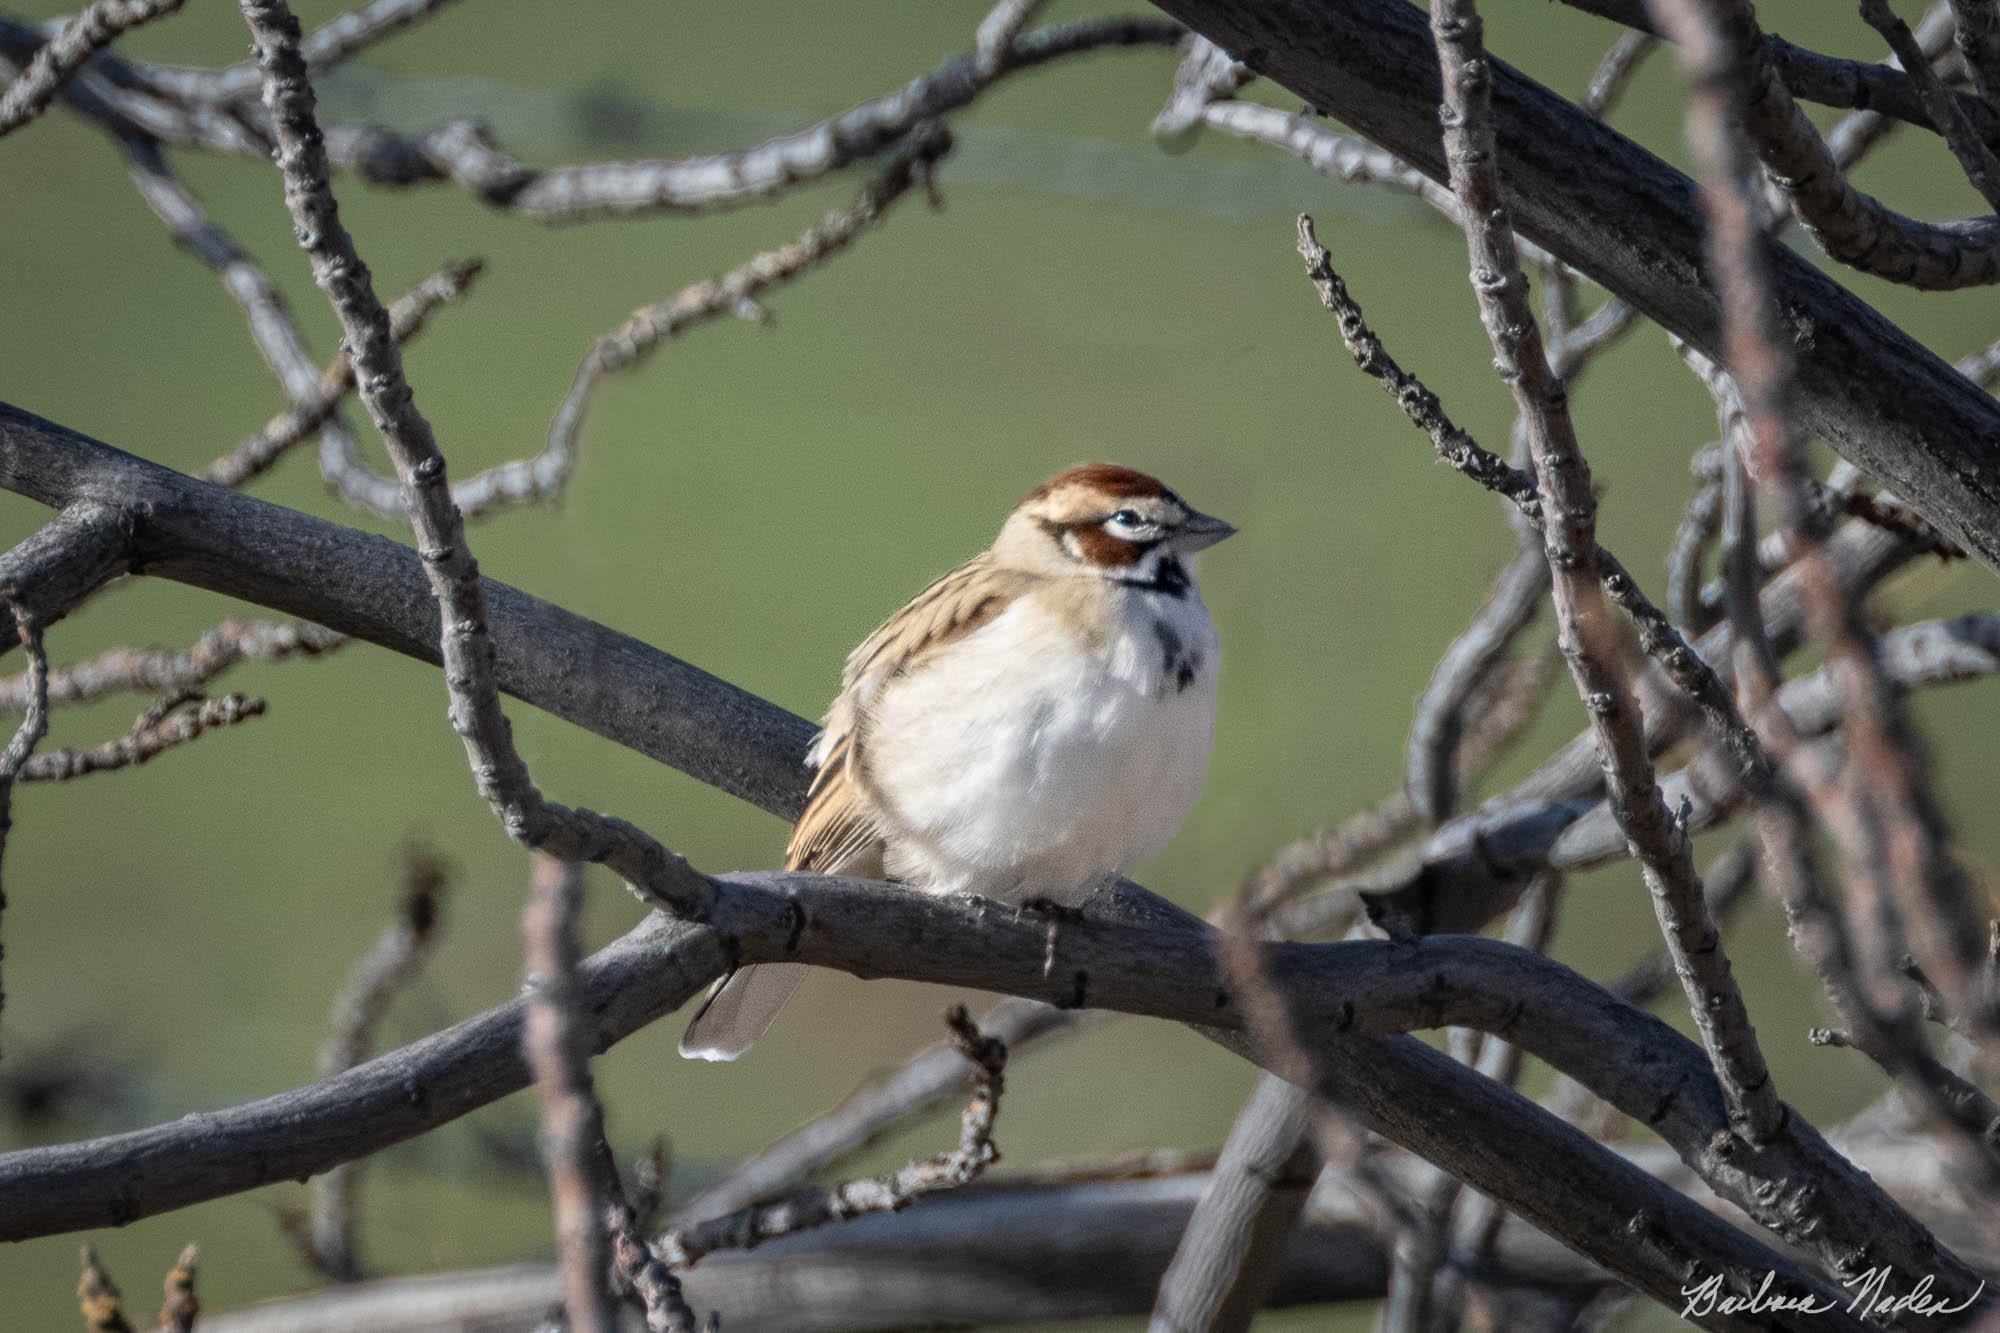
pixel 1054 915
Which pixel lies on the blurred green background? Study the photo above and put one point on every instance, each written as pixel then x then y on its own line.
pixel 755 501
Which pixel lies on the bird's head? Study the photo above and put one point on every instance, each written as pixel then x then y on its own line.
pixel 1105 520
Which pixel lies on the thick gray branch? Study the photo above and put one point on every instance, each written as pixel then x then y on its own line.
pixel 1630 222
pixel 374 589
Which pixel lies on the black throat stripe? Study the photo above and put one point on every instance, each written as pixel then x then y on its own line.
pixel 1170 579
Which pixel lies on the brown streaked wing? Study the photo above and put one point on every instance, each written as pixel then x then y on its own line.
pixel 838 825
pixel 839 821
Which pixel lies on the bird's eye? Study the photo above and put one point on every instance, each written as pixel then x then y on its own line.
pixel 1128 518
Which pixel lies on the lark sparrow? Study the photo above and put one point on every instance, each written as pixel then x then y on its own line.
pixel 1036 720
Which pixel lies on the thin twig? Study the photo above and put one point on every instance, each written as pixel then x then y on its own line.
pixel 924 1081
pixel 382 973
pixel 1431 769
pixel 272 326
pixel 1661 641
pixel 1614 71
pixel 183 673
pixel 1692 540
pixel 155 731
pixel 331 44
pixel 683 1247
pixel 98 25
pixel 1568 508
pixel 407 317
pixel 34 726
pixel 452 572
pixel 736 293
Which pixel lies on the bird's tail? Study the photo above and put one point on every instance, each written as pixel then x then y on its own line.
pixel 739 1011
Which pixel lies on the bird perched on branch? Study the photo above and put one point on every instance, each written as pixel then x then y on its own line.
pixel 1036 720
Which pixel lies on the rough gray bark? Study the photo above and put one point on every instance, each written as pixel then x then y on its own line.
pixel 1625 218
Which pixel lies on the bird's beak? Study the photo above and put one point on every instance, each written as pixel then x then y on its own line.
pixel 1202 531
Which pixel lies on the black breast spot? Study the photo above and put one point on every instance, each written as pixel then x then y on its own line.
pixel 1171 646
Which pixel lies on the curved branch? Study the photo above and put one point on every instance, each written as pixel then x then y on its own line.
pixel 1134 953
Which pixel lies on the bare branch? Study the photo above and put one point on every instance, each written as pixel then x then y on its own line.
pixel 1568 512
pixel 34 726
pixel 465 154
pixel 452 572
pixel 407 317
pixel 683 1247
pixel 1633 223
pixel 1849 225
pixel 333 43
pixel 184 673
pixel 1882 773
pixel 1632 1059
pixel 1614 71
pixel 382 973
pixel 553 1041
pixel 927 1080
pixel 99 24
pixel 154 733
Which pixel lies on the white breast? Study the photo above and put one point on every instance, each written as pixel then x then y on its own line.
pixel 1021 763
